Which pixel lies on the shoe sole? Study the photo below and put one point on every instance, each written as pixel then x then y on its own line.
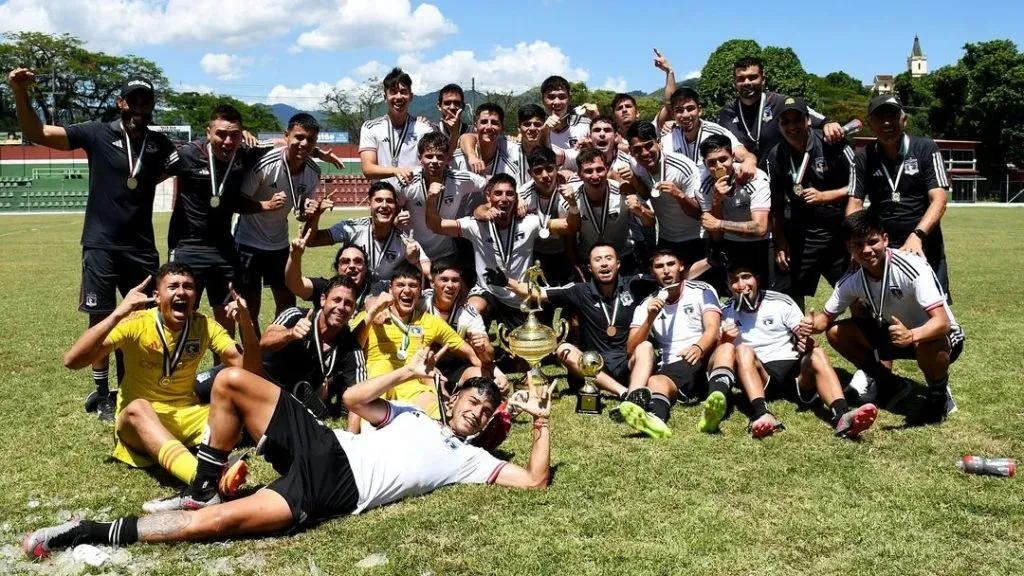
pixel 34 550
pixel 862 419
pixel 714 411
pixel 764 430
pixel 233 478
pixel 637 419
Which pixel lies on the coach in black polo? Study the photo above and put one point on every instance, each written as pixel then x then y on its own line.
pixel 904 177
pixel 126 162
pixel 813 178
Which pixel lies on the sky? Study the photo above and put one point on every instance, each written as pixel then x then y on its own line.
pixel 296 51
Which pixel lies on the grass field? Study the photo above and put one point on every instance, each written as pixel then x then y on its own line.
pixel 802 502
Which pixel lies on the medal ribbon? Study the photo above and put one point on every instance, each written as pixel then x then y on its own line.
pixel 171 360
pixel 376 252
pixel 395 146
pixel 216 190
pixel 798 175
pixel 615 310
pixel 545 215
pixel 877 310
pixel 590 211
pixel 904 146
pixel 326 367
pixel 134 164
pixel 760 116
pixel 291 185
pixel 504 252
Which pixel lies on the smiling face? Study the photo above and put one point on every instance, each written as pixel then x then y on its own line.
pixel 447 286
pixel 887 123
pixel 301 142
pixel 398 99
pixel 530 130
pixel 489 126
pixel 383 206
pixel 556 101
pixel 794 126
pixel 869 251
pixel 645 152
pixel 743 282
pixel 749 81
pixel 175 296
pixel 137 109
pixel 604 264
pixel 406 292
pixel 503 197
pixel 594 173
pixel 352 263
pixel 225 137
pixel 687 114
pixel 544 176
pixel 337 307
pixel 451 104
pixel 470 412
pixel 667 269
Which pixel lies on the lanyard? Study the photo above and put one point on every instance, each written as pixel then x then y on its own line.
pixel 326 367
pixel 397 141
pixel 440 197
pixel 215 189
pixel 291 185
pixel 590 211
pixel 894 185
pixel 134 164
pixel 877 309
pixel 615 309
pixel 376 252
pixel 171 359
pixel 504 249
pixel 798 175
pixel 407 331
pixel 684 147
pixel 545 215
pixel 760 115
pixel 497 158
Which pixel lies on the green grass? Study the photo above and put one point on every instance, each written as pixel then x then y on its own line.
pixel 802 502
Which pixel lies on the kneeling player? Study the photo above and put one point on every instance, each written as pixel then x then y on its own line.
pixel 909 316
pixel 765 340
pixel 326 472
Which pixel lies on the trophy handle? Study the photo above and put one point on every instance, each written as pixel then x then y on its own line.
pixel 560 326
pixel 503 338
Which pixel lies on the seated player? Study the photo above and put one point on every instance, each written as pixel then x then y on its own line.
pixel 326 472
pixel 605 307
pixel 157 417
pixel 391 330
pixel 909 317
pixel 683 318
pixel 349 261
pixel 377 234
pixel 765 341
pixel 503 243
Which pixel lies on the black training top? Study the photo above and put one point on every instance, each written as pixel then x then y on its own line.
pixel 195 224
pixel 760 145
pixel 116 217
pixel 585 299
pixel 829 167
pixel 298 361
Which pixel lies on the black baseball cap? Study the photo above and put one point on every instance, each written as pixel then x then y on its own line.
pixel 136 83
pixel 791 103
pixel 882 101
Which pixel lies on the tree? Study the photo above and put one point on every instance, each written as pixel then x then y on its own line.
pixel 785 74
pixel 193 109
pixel 347 111
pixel 917 96
pixel 84 84
pixel 841 96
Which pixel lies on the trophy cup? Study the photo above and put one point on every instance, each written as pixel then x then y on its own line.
pixel 588 400
pixel 533 341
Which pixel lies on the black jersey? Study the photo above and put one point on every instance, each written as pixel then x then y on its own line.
pixel 596 310
pixel 829 167
pixel 759 134
pixel 299 360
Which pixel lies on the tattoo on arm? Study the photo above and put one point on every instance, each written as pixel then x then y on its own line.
pixel 164 527
pixel 748 227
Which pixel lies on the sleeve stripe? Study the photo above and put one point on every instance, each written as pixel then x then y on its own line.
pixel 850 159
pixel 934 305
pixel 389 416
pixel 940 170
pixel 497 470
pixel 287 315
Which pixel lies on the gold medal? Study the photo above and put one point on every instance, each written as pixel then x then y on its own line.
pixel 132 183
pixel 895 196
pixel 214 202
pixel 611 331
pixel 165 381
pixel 798 190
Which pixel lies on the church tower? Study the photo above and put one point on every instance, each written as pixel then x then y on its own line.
pixel 917 62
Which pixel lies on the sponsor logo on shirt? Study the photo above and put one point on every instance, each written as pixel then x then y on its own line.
pixel 90 300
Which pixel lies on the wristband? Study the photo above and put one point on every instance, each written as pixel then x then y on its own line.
pixel 699 347
pixel 920 233
pixel 539 423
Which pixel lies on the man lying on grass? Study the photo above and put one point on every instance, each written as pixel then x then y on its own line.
pixel 326 472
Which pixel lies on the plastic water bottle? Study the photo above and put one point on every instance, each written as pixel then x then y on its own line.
pixel 852 127
pixel 987 466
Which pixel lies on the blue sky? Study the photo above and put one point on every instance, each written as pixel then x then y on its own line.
pixel 294 51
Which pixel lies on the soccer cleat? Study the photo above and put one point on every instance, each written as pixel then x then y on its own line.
pixel 37 544
pixel 180 501
pixel 854 422
pixel 234 475
pixel 105 409
pixel 951 406
pixel 641 397
pixel 933 410
pixel 92 401
pixel 714 411
pixel 643 421
pixel 764 426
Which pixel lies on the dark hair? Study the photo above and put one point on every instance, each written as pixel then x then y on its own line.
pixel 664 252
pixel 483 386
pixel 604 119
pixel 527 111
pixel 406 270
pixel 444 264
pixel 643 131
pixel 540 156
pixel 554 83
pixel 861 224
pixel 304 120
pixel 449 88
pixel 493 109
pixel 397 78
pixel 433 141
pixel 682 95
pixel 747 62
pixel 379 185
pixel 337 255
pixel 588 155
pixel 226 112
pixel 620 97
pixel 342 281
pixel 715 142
pixel 603 244
pixel 500 179
pixel 742 264
pixel 172 268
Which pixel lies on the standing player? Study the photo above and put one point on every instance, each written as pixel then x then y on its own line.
pixel 690 131
pixel 451 101
pixel 814 178
pixel 905 179
pixel 909 316
pixel 565 126
pixel 683 319
pixel 489 153
pixel 543 195
pixel 158 417
pixel 126 161
pixel 766 342
pixel 387 145
pixel 287 176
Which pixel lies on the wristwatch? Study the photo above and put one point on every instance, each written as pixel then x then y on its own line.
pixel 920 233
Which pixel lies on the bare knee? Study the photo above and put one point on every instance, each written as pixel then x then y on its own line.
pixel 745 354
pixel 817 359
pixel 228 381
pixel 567 353
pixel 833 335
pixel 724 355
pixel 135 413
pixel 644 350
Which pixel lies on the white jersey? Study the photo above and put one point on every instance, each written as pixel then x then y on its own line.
pixel 769 330
pixel 410 454
pixel 269 230
pixel 413 197
pixel 606 222
pixel 673 224
pixel 388 141
pixel 490 244
pixel 911 291
pixel 578 127
pixel 509 159
pixel 545 209
pixel 679 325
pixel 381 256
pixel 754 196
pixel 675 141
pixel 464 319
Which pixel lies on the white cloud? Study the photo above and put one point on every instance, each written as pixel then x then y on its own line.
pixel 389 24
pixel 309 96
pixel 224 66
pixel 372 69
pixel 617 84
pixel 186 87
pixel 692 74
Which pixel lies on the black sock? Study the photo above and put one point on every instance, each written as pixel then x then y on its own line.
pixel 938 386
pixel 837 409
pixel 661 406
pixel 759 407
pixel 99 378
pixel 721 380
pixel 211 464
pixel 120 532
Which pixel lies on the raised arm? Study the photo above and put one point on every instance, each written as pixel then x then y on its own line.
pixel 289 327
pixel 640 332
pixel 436 224
pixel 293 278
pixel 250 358
pixel 662 63
pixel 537 474
pixel 50 136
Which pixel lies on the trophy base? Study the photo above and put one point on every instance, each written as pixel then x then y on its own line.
pixel 589 403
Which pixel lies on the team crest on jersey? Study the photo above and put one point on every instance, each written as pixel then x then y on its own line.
pixel 819 166
pixel 90 300
pixel 768 321
pixel 613 215
pixel 768 115
pixel 688 309
pixel 390 255
pixel 301 189
pixel 573 142
pixel 896 292
pixel 192 348
pixel 626 298
pixel 448 200
pixel 910 166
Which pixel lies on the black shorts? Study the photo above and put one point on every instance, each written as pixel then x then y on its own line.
pixel 616 364
pixel 688 251
pixel 878 336
pixel 498 311
pixel 260 268
pixel 687 377
pixel 316 478
pixel 783 382
pixel 212 271
pixel 813 256
pixel 104 270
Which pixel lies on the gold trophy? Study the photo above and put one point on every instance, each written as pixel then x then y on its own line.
pixel 533 341
pixel 588 400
